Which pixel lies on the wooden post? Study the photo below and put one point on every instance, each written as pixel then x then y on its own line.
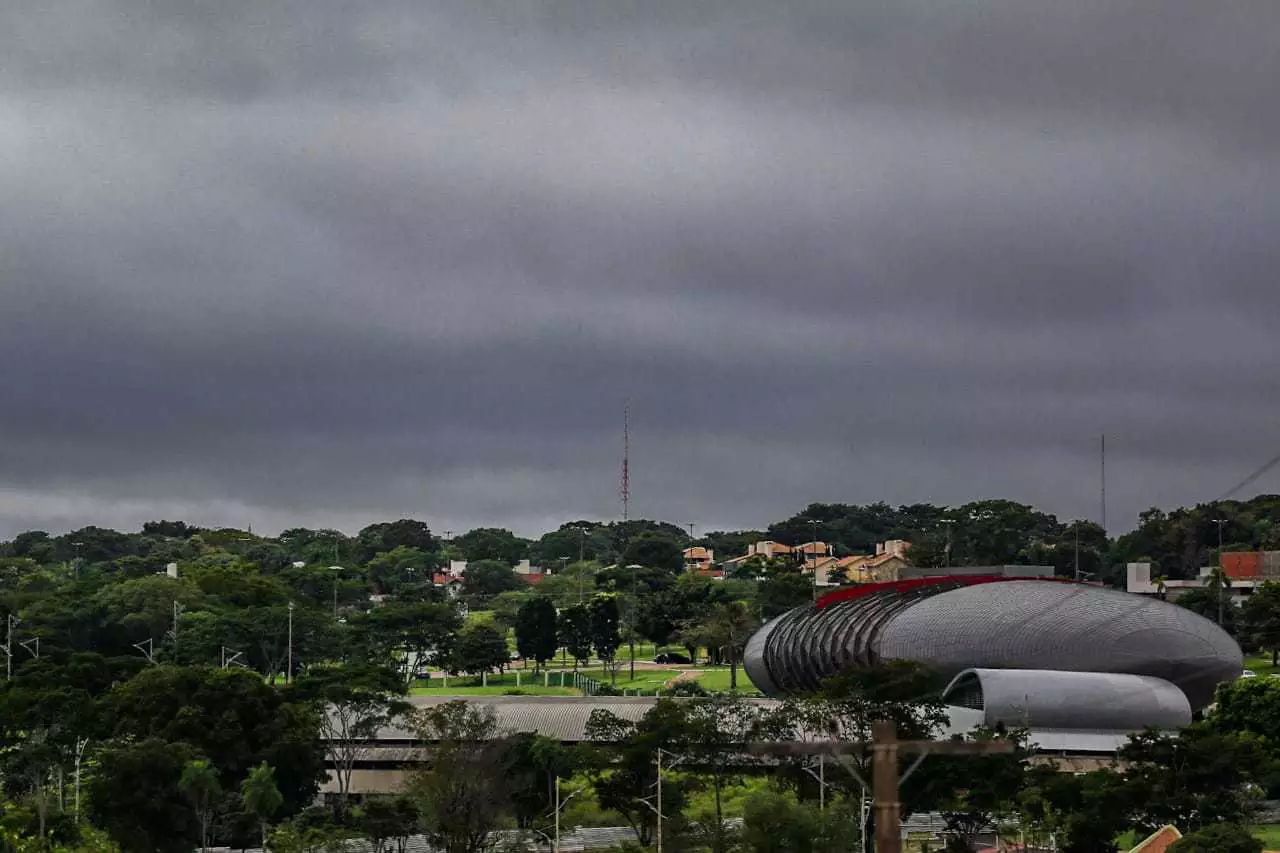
pixel 884 787
pixel 885 750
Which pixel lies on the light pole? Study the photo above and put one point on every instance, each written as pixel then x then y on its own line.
pixel 813 549
pixel 8 647
pixel 657 810
pixel 947 550
pixel 1222 575
pixel 1077 530
pixel 337 575
pixel 560 804
pixel 288 671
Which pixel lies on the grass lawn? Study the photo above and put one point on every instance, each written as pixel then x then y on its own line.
pixel 470 690
pixel 1268 834
pixel 646 680
pixel 1261 665
pixel 717 680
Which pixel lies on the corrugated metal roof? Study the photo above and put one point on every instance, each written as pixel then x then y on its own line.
pixel 564 718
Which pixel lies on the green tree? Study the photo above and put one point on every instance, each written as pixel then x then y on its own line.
pixel 492 543
pixel 352 704
pixel 1192 779
pixel 717 732
pixel 199 784
pixel 783 591
pixel 387 536
pixel 391 570
pixel 260 796
pixel 727 630
pixel 605 636
pixel 972 792
pixel 232 717
pixel 655 550
pixel 574 629
pixel 1248 706
pixel 479 649
pixel 403 635
pixel 486 579
pixel 532 765
pixel 776 823
pixel 383 818
pixel 535 628
pixel 625 776
pixel 463 794
pixel 1261 618
pixel 133 795
pixel 1218 838
pixel 1084 812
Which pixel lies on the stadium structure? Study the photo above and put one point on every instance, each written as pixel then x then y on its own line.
pixel 1039 652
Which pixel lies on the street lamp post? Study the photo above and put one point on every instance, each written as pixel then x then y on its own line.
pixel 947 550
pixel 813 550
pixel 560 804
pixel 288 671
pixel 337 575
pixel 1222 574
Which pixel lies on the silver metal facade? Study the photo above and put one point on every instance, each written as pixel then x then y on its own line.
pixel 954 624
pixel 1054 699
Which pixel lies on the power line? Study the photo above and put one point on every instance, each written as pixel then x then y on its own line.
pixel 1248 481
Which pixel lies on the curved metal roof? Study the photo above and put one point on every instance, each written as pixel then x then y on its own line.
pixel 1054 699
pixel 991 622
pixel 1022 624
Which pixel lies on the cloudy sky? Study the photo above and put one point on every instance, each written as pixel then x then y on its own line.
pixel 324 263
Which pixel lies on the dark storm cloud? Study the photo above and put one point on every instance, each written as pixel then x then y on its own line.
pixel 322 263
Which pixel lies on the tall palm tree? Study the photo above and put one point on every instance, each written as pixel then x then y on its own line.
pixel 199 784
pixel 261 797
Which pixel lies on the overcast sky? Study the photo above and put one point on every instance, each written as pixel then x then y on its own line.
pixel 323 263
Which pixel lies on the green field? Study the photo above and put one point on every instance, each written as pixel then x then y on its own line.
pixel 1261 665
pixel 717 680
pixel 1268 834
pixel 469 689
pixel 646 682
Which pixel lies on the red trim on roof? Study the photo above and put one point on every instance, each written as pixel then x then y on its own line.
pixel 852 593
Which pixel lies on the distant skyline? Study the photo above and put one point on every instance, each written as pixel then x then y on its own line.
pixel 321 264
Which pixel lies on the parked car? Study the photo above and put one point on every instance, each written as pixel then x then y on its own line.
pixel 671 657
pixel 1248 673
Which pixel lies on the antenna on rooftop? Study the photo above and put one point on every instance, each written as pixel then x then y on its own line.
pixel 625 489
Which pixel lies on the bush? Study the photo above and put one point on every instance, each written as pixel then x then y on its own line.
pixel 688 688
pixel 1218 838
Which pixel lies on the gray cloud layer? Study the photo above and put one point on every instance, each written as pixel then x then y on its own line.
pixel 324 263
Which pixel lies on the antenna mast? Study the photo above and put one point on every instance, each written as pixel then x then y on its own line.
pixel 625 490
pixel 1104 483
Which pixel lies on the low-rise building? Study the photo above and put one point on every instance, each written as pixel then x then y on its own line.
pixel 1143 579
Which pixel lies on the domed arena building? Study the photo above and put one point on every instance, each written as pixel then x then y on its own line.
pixel 1020 651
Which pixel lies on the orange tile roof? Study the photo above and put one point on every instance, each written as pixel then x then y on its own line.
pixel 1159 841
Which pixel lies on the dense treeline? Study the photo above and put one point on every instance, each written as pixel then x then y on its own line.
pixel 161 710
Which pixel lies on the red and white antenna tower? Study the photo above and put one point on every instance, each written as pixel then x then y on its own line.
pixel 625 489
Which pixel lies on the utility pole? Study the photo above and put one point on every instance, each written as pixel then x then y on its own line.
pixel 1103 454
pixel 813 549
pixel 8 647
pixel 288 671
pixel 81 743
pixel 1222 573
pixel 947 551
pixel 177 611
pixel 1077 527
pixel 659 800
pixel 885 750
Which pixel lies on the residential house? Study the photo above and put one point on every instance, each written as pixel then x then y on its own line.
pixel 699 559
